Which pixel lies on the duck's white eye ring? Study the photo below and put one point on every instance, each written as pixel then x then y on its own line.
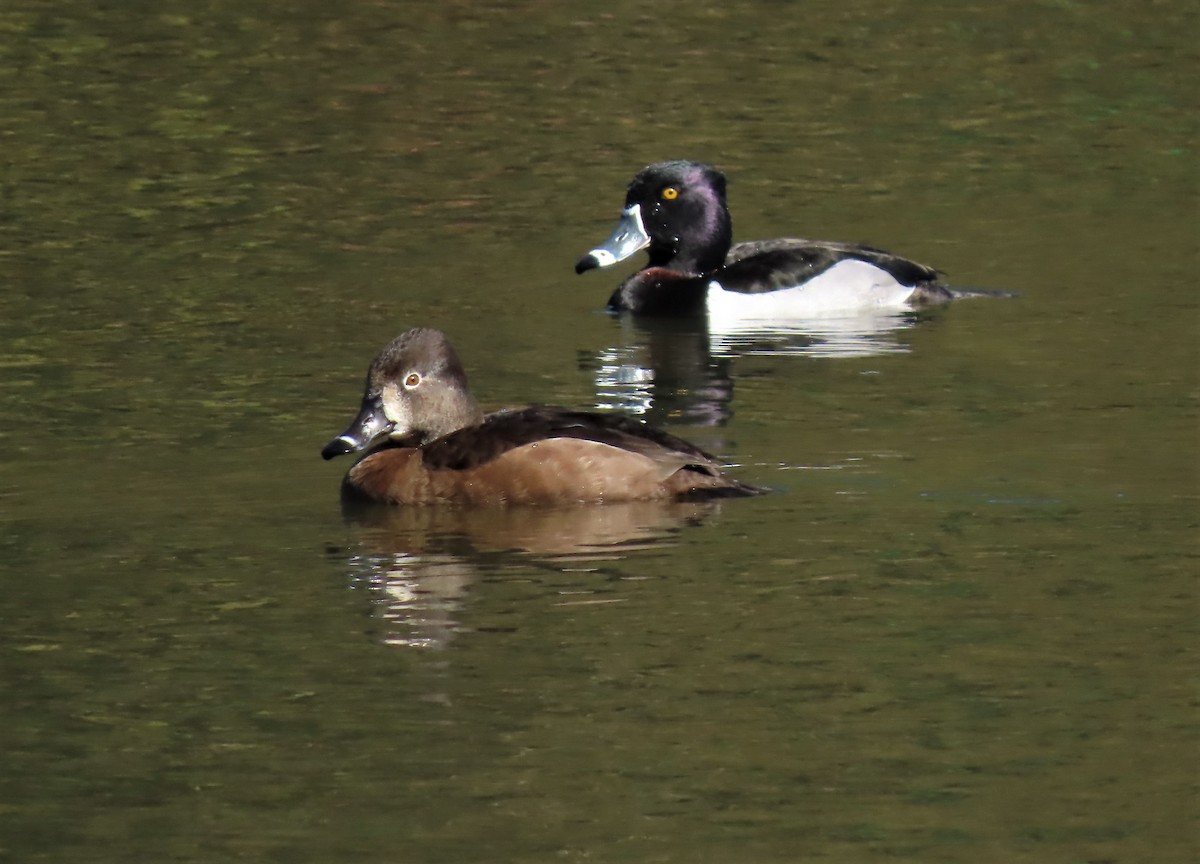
pixel 411 380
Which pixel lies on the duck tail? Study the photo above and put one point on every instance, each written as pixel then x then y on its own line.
pixel 729 489
pixel 965 292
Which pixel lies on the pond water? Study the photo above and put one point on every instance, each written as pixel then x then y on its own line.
pixel 962 627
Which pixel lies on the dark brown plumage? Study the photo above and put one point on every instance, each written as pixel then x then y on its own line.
pixel 427 442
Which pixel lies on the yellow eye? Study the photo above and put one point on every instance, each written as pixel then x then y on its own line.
pixel 670 193
pixel 412 380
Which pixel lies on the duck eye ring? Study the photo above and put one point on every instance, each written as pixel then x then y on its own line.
pixel 411 380
pixel 670 193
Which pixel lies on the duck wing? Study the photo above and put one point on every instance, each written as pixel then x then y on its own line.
pixel 509 429
pixel 757 266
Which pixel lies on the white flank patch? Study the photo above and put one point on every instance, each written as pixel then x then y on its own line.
pixel 846 288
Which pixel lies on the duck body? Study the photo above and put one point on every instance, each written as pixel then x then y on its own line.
pixel 426 442
pixel 678 213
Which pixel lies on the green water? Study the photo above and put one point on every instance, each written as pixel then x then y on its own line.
pixel 962 628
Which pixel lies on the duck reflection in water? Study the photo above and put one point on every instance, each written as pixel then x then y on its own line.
pixel 678 370
pixel 418 563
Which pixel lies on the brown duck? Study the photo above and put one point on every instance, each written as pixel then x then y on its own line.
pixel 426 441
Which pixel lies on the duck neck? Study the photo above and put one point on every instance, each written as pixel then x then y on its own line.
pixel 457 411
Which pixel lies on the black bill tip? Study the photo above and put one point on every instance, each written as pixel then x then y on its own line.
pixel 338 447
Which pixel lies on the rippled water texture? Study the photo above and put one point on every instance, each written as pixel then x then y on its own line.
pixel 961 628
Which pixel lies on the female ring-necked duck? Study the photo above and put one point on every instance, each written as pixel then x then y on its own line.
pixel 428 442
pixel 677 212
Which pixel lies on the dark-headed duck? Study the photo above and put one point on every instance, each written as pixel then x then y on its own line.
pixel 427 442
pixel 676 211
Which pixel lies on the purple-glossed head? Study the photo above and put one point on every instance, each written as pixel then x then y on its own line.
pixel 677 212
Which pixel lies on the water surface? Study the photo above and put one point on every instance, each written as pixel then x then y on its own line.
pixel 961 628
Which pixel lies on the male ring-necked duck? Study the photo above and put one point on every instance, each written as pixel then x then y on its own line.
pixel 428 442
pixel 677 212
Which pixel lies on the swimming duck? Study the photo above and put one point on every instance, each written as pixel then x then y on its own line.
pixel 427 442
pixel 677 212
